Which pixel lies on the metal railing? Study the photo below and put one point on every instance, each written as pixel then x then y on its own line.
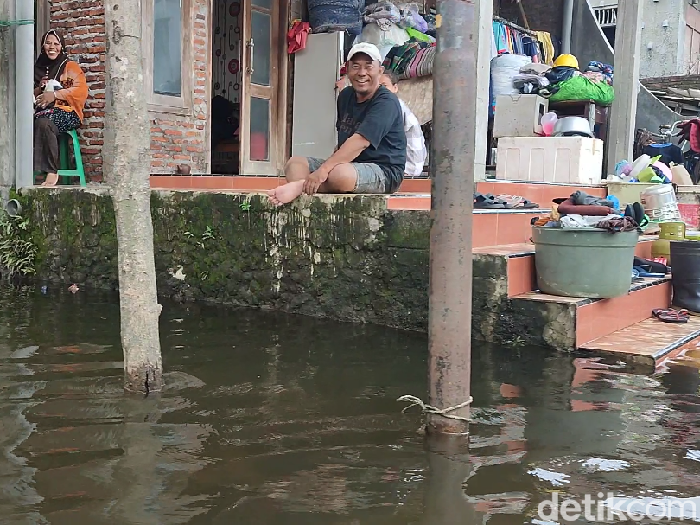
pixel 606 16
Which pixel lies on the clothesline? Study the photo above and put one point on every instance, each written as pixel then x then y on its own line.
pixel 514 26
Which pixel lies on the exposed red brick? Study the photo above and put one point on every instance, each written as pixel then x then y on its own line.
pixel 83 24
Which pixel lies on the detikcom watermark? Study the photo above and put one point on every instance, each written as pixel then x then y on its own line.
pixel 610 508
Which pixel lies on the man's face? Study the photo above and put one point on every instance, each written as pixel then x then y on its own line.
pixel 386 82
pixel 364 74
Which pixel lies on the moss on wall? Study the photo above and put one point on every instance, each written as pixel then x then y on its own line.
pixel 347 258
pixel 341 257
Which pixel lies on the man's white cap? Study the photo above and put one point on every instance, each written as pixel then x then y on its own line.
pixel 368 49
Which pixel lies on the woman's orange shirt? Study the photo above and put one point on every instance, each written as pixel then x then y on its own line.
pixel 74 94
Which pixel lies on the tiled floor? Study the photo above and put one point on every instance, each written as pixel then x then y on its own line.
pixel 651 339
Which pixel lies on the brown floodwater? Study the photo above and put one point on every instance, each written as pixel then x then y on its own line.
pixel 284 420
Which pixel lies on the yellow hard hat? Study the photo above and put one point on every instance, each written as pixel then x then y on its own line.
pixel 566 61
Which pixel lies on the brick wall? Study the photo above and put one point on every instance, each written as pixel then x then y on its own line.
pixel 82 22
pixel 178 139
pixel 175 139
pixel 543 15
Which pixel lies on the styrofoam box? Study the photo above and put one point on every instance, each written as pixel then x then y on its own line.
pixel 518 115
pixel 575 160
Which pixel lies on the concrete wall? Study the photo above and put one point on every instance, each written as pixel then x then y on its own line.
pixel 342 257
pixel 588 43
pixel 7 99
pixel 664 31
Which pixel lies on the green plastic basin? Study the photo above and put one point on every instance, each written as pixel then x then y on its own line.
pixel 584 262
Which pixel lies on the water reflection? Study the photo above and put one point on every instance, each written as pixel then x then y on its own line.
pixel 272 419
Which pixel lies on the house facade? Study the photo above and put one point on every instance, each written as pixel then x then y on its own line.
pixel 194 51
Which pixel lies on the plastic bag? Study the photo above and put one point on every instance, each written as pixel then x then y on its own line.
pixel 410 17
pixel 394 36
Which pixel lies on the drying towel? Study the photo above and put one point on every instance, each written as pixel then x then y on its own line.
pixel 545 39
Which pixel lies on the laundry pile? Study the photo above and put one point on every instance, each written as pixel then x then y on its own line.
pixel 565 82
pixel 404 37
pixel 581 210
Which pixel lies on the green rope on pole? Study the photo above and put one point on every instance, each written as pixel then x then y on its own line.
pixel 10 23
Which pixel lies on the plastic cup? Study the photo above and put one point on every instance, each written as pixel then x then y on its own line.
pixel 549 120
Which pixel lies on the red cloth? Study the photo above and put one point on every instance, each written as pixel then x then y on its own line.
pixel 297 36
pixel 568 208
pixel 690 131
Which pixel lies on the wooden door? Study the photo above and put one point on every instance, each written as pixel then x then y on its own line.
pixel 262 149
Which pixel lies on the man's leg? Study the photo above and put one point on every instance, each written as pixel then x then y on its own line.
pixel 296 171
pixel 355 177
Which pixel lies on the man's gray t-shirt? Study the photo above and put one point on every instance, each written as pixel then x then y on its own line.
pixel 380 121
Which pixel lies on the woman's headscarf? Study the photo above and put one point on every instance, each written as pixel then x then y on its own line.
pixel 44 64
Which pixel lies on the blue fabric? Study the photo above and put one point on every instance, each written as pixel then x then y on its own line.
pixel 499 35
pixel 326 16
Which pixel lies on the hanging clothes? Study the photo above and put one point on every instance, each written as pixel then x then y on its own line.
pixel 548 47
pixel 499 36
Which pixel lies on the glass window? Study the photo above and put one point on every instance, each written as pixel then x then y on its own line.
pixel 167 47
pixel 259 129
pixel 262 30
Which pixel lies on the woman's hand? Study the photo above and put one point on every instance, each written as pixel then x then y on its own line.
pixel 43 82
pixel 45 99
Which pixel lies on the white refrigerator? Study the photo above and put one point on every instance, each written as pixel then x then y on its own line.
pixel 316 70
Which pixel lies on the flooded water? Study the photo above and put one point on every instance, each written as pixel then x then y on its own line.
pixel 282 420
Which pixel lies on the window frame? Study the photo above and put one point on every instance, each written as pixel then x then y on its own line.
pixel 42 22
pixel 179 105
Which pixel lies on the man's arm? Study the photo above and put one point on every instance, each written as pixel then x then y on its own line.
pixel 348 152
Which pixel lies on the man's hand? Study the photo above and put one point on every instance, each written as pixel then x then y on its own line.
pixel 45 99
pixel 315 180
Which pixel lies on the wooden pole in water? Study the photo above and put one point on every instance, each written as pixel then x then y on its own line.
pixel 127 171
pixel 460 76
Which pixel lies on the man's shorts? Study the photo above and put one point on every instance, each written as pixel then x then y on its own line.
pixel 370 177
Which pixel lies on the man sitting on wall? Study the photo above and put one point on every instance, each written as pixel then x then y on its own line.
pixel 371 152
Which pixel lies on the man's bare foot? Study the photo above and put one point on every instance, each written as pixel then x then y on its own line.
pixel 51 179
pixel 286 193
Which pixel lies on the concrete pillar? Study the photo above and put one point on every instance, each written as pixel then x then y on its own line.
pixel 7 100
pixel 663 39
pixel 627 60
pixel 483 77
pixel 24 94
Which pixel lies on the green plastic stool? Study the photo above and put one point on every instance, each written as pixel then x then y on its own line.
pixel 63 147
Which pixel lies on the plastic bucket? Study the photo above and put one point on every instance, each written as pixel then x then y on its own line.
pixel 685 274
pixel 13 208
pixel 672 231
pixel 584 262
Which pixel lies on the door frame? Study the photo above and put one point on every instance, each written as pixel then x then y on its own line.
pixel 277 147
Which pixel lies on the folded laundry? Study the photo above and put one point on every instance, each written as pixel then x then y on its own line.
pixel 581 198
pixel 619 224
pixel 568 207
pixel 584 221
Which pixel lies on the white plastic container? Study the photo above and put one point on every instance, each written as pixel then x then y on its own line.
pixel 518 115
pixel 573 160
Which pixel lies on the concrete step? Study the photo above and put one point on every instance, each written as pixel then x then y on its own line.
pixel 651 343
pixel 570 323
pixel 519 261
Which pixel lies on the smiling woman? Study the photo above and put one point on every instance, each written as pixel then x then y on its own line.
pixel 60 91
